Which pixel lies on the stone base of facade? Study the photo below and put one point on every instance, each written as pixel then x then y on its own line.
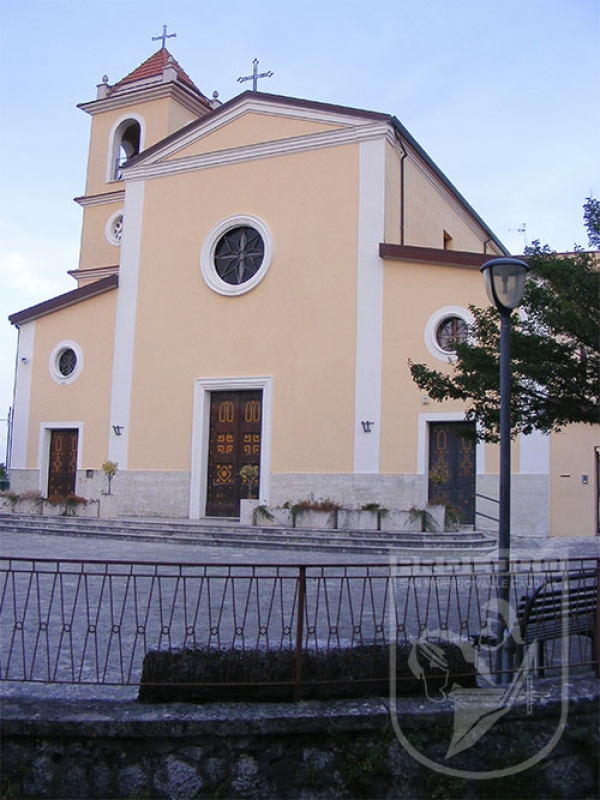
pixel 146 493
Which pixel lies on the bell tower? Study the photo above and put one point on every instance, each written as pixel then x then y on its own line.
pixel 152 102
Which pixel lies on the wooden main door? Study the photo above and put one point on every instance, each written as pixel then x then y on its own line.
pixel 62 467
pixel 234 442
pixel 452 467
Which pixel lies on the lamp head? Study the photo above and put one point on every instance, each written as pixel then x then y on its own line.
pixel 505 282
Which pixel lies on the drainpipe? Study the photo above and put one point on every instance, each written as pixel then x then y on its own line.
pixel 402 157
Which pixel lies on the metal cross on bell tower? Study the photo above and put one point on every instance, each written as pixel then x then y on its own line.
pixel 255 75
pixel 164 36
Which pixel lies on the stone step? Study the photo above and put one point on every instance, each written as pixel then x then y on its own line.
pixel 232 534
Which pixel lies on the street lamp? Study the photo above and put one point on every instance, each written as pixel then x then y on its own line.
pixel 504 282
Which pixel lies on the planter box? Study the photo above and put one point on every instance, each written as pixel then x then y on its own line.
pixel 275 517
pixel 438 512
pixel 399 521
pixel 107 506
pixel 6 507
pixel 247 508
pixel 52 509
pixel 29 506
pixel 92 509
pixel 316 520
pixel 358 520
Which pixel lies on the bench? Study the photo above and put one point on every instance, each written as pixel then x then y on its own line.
pixel 562 603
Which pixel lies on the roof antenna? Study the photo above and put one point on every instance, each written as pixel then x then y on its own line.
pixel 164 36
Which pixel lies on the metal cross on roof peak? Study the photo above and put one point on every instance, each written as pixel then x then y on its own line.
pixel 255 75
pixel 164 36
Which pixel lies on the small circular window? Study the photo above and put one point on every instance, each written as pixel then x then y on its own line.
pixel 114 228
pixel 66 362
pixel 445 329
pixel 450 332
pixel 236 255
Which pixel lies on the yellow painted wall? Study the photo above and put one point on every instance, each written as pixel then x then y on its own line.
pixel 573 455
pixel 90 324
pixel 414 292
pixel 253 128
pixel 297 324
pixel 429 213
pixel 159 117
pixel 96 250
pixel 392 195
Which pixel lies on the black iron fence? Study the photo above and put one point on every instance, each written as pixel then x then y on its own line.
pixel 92 622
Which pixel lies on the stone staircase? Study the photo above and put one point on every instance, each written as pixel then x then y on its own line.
pixel 229 533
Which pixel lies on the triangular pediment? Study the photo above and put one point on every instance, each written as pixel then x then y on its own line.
pixel 251 128
pixel 257 122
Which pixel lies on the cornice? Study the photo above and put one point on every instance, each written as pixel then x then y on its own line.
pixel 271 149
pixel 100 199
pixel 433 255
pixel 93 274
pixel 144 94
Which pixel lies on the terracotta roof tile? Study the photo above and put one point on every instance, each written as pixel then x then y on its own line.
pixel 153 67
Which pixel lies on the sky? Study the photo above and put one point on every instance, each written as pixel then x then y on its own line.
pixel 502 94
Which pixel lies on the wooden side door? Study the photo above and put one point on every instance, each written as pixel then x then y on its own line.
pixel 452 467
pixel 62 467
pixel 234 441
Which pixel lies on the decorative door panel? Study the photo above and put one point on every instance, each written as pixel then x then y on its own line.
pixel 62 467
pixel 452 467
pixel 234 442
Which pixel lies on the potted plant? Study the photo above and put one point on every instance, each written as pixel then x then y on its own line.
pixel 110 470
pixel 249 476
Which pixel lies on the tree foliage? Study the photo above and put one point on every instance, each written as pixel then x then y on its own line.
pixel 555 348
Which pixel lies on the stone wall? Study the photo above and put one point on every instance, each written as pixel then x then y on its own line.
pixel 101 749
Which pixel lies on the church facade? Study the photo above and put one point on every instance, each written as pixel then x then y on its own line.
pixel 254 277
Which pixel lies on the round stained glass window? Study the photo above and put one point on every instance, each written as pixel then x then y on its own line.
pixel 67 361
pixel 239 255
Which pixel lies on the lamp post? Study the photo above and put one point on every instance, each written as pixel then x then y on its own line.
pixel 504 282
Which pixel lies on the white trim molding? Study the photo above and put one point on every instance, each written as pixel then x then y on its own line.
pixel 369 314
pixel 122 382
pixel 22 396
pixel 153 167
pixel 201 432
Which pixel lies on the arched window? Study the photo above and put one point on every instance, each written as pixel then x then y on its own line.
pixel 126 142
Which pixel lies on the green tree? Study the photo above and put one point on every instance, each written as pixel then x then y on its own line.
pixel 555 347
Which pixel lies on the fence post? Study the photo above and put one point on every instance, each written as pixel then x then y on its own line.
pixel 596 632
pixel 300 630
